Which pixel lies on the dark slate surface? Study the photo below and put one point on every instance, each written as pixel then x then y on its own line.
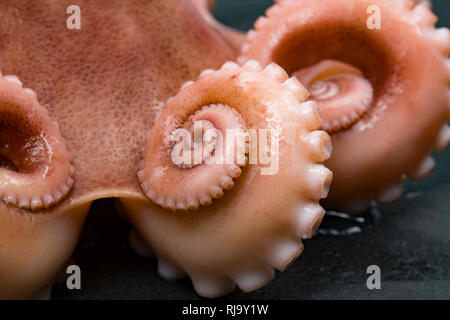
pixel 408 239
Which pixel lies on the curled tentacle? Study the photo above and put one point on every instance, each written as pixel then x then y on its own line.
pixel 383 93
pixel 235 38
pixel 342 92
pixel 258 224
pixel 35 170
pixel 197 152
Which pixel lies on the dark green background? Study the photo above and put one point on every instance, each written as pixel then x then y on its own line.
pixel 408 239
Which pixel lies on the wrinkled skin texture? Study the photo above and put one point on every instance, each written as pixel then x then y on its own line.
pixel 104 85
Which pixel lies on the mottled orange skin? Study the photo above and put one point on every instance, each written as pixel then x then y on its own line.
pixel 104 84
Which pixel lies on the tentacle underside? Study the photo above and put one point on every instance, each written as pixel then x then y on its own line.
pixel 206 181
pixel 383 93
pixel 35 170
pixel 255 214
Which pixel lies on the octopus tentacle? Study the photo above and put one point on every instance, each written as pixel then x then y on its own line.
pixel 383 94
pixel 235 38
pixel 259 224
pixel 35 170
pixel 197 149
pixel 342 92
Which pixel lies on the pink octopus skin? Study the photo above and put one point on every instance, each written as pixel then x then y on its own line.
pixel 104 85
pixel 383 94
pixel 106 88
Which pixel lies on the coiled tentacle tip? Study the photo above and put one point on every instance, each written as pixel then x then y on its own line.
pixel 209 153
pixel 198 151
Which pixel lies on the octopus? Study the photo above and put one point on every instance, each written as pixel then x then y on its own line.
pixel 180 119
pixel 370 83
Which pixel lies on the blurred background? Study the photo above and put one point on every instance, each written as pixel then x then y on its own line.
pixel 409 239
